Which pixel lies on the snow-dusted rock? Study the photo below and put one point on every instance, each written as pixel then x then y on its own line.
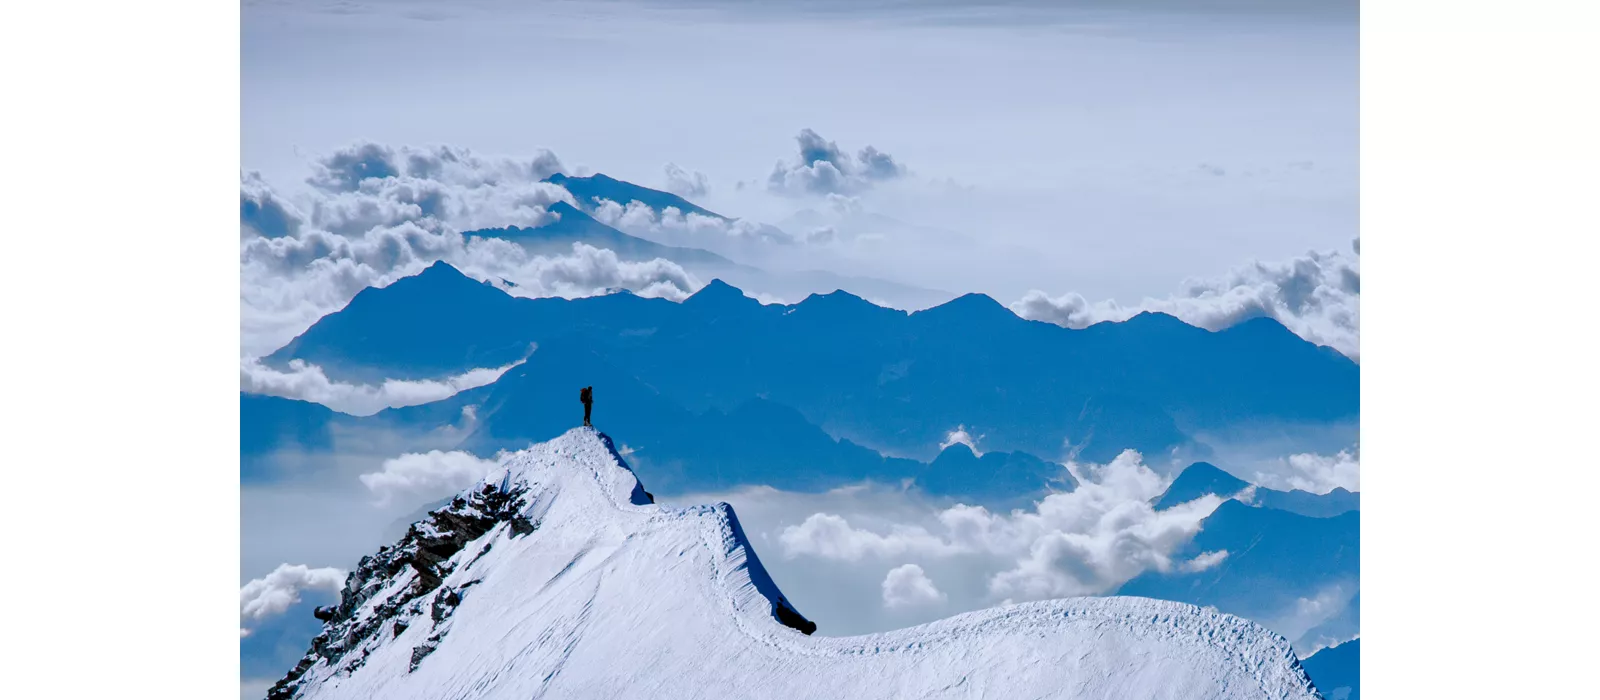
pixel 557 578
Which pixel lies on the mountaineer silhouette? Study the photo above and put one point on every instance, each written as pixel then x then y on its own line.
pixel 587 397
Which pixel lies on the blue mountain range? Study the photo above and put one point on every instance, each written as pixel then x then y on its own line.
pixel 1202 478
pixel 1336 671
pixel 882 378
pixel 589 190
pixel 1275 560
pixel 576 226
pixel 721 391
pixel 431 325
pixel 274 431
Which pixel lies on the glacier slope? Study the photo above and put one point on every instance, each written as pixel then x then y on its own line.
pixel 579 587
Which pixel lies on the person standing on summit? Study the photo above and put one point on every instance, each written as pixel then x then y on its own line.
pixel 587 397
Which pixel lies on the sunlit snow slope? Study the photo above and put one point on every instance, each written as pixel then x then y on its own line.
pixel 557 578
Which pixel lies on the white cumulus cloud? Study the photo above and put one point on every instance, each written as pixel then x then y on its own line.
pixel 685 184
pixel 426 475
pixel 1204 560
pixel 1316 295
pixel 961 436
pixel 1084 542
pixel 674 226
pixel 1315 473
pixel 831 537
pixel 373 214
pixel 907 586
pixel 276 592
pixel 823 168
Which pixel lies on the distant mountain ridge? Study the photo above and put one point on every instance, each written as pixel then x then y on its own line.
pixel 469 324
pixel 590 189
pixel 1202 478
pixel 271 424
pixel 1277 562
pixel 576 226
pixel 1337 670
pixel 883 378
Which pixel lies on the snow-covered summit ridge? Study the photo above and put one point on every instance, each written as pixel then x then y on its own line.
pixel 557 577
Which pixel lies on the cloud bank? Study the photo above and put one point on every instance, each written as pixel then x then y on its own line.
pixel 1315 473
pixel 829 536
pixel 426 476
pixel 1308 618
pixel 823 168
pixel 307 382
pixel 690 186
pixel 909 586
pixel 372 214
pixel 674 226
pixel 1317 296
pixel 276 592
pixel 1085 542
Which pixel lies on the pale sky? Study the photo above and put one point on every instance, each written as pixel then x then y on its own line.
pixel 1112 153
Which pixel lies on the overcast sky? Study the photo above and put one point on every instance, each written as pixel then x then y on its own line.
pixel 1107 152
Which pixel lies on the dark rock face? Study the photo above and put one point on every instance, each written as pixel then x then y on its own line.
pixel 792 618
pixel 422 651
pixel 402 585
pixel 425 551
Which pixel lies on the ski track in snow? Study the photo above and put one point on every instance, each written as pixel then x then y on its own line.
pixel 613 597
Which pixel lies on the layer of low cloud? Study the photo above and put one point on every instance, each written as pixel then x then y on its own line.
pixel 1303 620
pixel 685 184
pixel 829 536
pixel 425 476
pixel 1315 473
pixel 674 226
pixel 1204 561
pixel 347 170
pixel 1085 542
pixel 273 594
pixel 909 586
pixel 823 168
pixel 307 382
pixel 1317 296
pixel 372 214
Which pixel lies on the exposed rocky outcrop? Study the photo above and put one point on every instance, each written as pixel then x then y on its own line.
pixel 612 597
pixel 387 591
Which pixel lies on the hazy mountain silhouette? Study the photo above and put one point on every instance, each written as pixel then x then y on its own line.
pixel 267 423
pixel 1275 559
pixel 433 324
pixel 1335 669
pixel 790 283
pixel 1326 505
pixel 575 226
pixel 999 480
pixel 755 442
pixel 882 378
pixel 600 186
pixel 1203 478
pixel 1200 479
pixel 275 432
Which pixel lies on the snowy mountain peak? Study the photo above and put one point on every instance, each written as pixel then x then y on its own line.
pixel 556 576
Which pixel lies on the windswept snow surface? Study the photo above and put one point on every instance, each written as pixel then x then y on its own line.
pixel 610 596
